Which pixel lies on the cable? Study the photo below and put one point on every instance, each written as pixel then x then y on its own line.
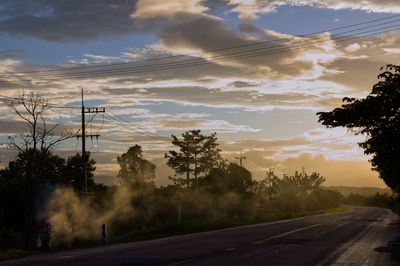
pixel 255 165
pixel 17 100
pixel 214 50
pixel 117 122
pixel 130 123
pixel 215 59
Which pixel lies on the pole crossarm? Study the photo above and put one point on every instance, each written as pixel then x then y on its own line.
pixel 83 135
pixel 91 110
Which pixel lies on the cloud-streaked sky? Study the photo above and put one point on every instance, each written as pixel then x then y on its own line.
pixel 256 72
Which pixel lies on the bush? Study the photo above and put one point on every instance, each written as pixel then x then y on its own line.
pixel 323 199
pixel 10 238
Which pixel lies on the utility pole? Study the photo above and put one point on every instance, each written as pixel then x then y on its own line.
pixel 240 158
pixel 85 156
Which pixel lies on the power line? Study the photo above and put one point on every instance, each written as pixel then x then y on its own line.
pixel 215 50
pixel 7 99
pixel 215 59
pixel 130 123
pixel 254 165
pixel 122 124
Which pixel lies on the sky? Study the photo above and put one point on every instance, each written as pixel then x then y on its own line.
pixel 255 72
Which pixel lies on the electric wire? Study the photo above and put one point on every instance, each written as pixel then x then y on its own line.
pixel 119 123
pixel 214 50
pixel 232 56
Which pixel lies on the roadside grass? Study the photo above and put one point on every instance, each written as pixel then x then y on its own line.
pixel 16 253
pixel 197 226
pixel 172 229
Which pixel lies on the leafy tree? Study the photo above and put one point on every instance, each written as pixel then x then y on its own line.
pixel 73 172
pixel 197 155
pixel 14 181
pixel 376 116
pixel 133 168
pixel 294 188
pixel 230 179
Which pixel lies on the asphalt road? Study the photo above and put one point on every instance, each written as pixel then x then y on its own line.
pixel 356 237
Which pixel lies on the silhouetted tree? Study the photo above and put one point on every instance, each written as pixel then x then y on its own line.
pixel 197 154
pixel 73 172
pixel 34 149
pixel 294 188
pixel 232 178
pixel 376 116
pixel 133 168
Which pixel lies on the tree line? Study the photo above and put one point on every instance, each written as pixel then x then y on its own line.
pixel 205 186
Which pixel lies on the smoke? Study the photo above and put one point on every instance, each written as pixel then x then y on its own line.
pixel 74 218
pixel 223 195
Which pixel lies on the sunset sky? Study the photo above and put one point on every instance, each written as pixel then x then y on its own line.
pixel 255 72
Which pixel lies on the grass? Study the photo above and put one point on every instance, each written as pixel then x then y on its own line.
pixel 196 226
pixel 172 229
pixel 16 253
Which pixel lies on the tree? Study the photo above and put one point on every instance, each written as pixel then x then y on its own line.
pixel 73 172
pixel 376 116
pixel 197 155
pixel 134 169
pixel 232 178
pixel 34 149
pixel 293 189
pixel 13 180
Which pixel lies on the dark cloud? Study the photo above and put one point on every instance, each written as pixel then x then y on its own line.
pixel 249 28
pixel 66 20
pixel 212 96
pixel 12 127
pixel 268 56
pixel 11 54
pixel 243 84
pixel 358 74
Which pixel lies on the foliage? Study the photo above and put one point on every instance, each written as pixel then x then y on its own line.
pixel 9 238
pixel 382 200
pixel 320 199
pixel 34 151
pixel 291 191
pixel 197 155
pixel 232 179
pixel 133 168
pixel 377 116
pixel 73 172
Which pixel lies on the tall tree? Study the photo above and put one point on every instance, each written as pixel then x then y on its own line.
pixel 197 155
pixel 73 172
pixel 376 116
pixel 133 168
pixel 34 148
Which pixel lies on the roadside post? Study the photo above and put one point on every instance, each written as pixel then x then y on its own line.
pixel 104 235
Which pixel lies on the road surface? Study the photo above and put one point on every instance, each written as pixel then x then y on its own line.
pixel 356 237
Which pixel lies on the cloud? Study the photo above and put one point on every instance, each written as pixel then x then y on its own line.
pixel 216 97
pixel 66 20
pixel 250 10
pixel 219 126
pixel 148 9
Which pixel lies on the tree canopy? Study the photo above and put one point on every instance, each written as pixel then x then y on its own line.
pixel 197 155
pixel 377 116
pixel 133 168
pixel 73 172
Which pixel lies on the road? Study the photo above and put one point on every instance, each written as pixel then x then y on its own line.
pixel 356 237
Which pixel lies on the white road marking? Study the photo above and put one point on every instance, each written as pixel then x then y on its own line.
pixel 286 233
